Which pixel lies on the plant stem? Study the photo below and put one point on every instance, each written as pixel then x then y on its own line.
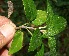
pixel 25 27
pixel 31 28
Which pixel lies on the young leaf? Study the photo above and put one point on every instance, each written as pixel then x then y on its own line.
pixel 30 9
pixel 41 18
pixel 41 52
pixel 16 43
pixel 35 41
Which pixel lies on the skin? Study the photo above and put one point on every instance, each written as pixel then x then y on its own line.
pixel 7 31
pixel 4 52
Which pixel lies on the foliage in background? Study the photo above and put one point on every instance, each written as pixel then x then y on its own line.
pixel 53 16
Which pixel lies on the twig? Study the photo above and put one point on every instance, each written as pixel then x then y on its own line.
pixel 30 32
pixel 25 27
pixel 32 28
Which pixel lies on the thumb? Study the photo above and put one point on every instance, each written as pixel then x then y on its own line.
pixel 4 52
pixel 7 30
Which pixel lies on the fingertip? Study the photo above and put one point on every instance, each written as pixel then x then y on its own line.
pixel 7 31
pixel 4 52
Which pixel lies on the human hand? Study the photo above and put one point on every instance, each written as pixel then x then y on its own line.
pixel 7 30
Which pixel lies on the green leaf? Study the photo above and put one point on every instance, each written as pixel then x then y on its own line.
pixel 30 9
pixel 55 23
pixel 41 52
pixel 35 41
pixel 52 46
pixel 16 43
pixel 41 18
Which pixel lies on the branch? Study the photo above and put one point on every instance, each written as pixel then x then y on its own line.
pixel 25 27
pixel 31 28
